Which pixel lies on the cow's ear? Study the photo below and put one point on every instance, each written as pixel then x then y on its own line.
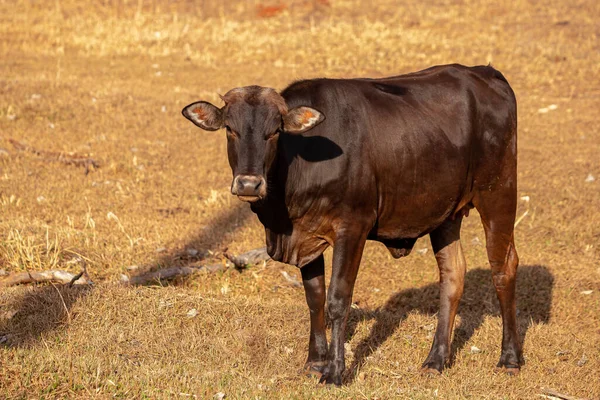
pixel 204 115
pixel 301 119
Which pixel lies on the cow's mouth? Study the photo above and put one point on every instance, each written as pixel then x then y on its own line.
pixel 249 199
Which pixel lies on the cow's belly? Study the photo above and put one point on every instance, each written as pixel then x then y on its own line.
pixel 409 213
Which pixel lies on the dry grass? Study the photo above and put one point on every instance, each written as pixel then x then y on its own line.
pixel 109 80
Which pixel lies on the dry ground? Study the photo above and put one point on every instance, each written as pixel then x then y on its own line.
pixel 109 78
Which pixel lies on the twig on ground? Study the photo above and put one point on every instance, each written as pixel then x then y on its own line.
pixel 521 218
pixel 291 280
pixel 63 302
pixel 76 278
pixel 66 158
pixel 20 278
pixel 249 258
pixel 553 393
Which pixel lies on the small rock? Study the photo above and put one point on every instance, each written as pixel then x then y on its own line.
pixel 51 125
pixel 582 361
pixel 40 199
pixel 249 258
pixel 163 109
pixel 475 350
pixel 552 107
pixel 36 96
pixel 525 198
pixel 422 251
pixel 132 267
pixel 123 278
pixel 192 313
pixel 192 252
pixel 4 339
pixel 586 292
pixel 543 110
pixel 225 289
pixel 590 178
pixel 219 396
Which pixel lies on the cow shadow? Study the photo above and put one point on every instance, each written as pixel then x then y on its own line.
pixel 209 243
pixel 29 313
pixel 211 239
pixel 534 301
pixel 34 311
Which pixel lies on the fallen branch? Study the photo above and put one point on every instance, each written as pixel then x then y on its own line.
pixel 66 158
pixel 249 258
pixel 169 273
pixel 20 278
pixel 554 394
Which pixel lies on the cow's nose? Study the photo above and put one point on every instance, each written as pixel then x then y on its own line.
pixel 248 185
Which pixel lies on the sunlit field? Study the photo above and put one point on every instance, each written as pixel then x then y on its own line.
pixel 99 171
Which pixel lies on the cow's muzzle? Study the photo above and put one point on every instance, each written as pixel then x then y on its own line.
pixel 249 188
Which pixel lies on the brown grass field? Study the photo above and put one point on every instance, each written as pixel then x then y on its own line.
pixel 107 79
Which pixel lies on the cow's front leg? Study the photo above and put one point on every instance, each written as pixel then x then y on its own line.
pixel 347 253
pixel 313 278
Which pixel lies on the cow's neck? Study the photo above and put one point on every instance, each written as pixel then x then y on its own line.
pixel 273 212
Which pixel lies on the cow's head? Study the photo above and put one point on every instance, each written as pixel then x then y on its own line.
pixel 253 117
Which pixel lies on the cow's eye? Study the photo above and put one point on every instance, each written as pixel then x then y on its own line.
pixel 230 132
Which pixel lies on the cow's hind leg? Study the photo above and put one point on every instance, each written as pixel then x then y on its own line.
pixel 497 209
pixel 445 241
pixel 313 278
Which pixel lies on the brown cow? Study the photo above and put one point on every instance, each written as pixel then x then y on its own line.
pixel 335 162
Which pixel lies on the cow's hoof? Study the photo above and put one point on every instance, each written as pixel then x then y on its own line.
pixel 314 368
pixel 332 374
pixel 432 367
pixel 510 363
pixel 428 371
pixel 511 370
